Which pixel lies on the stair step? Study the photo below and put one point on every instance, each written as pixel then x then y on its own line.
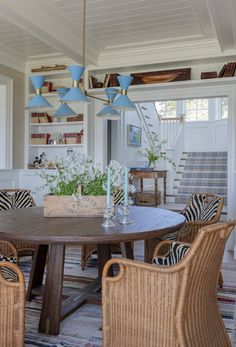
pixel 209 182
pixel 200 167
pixel 206 161
pixel 199 189
pixel 183 198
pixel 207 154
pixel 205 174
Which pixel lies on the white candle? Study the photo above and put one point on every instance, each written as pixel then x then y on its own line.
pixel 126 187
pixel 108 188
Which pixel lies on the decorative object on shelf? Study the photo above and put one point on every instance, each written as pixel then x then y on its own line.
pixel 154 153
pixel 108 112
pixel 162 76
pixel 47 87
pixel 49 68
pixel 77 178
pixel 64 109
pixel 38 101
pixel 56 139
pixel 134 135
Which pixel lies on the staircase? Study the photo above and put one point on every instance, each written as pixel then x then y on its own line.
pixel 201 172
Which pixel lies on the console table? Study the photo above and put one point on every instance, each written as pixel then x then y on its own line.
pixel 153 174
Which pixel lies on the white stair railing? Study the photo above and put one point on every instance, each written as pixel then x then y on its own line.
pixel 170 130
pixel 173 132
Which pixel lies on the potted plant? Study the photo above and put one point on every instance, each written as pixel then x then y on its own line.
pixel 154 153
pixel 78 188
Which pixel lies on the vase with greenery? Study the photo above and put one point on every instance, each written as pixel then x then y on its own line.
pixel 154 152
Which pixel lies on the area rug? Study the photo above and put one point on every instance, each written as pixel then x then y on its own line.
pixel 83 327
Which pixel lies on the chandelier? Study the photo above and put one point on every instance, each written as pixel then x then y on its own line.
pixel 117 99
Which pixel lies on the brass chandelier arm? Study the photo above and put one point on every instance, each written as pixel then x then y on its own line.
pixel 95 97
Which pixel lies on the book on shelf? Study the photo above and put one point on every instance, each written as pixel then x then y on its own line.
pixel 39 139
pixel 227 70
pixel 230 69
pixel 113 81
pixel 77 118
pixel 92 82
pixel 209 74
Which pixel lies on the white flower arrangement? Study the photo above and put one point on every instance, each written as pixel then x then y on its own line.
pixel 76 174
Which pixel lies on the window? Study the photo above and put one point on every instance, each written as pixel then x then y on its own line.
pixel 166 109
pixel 196 109
pixel 223 108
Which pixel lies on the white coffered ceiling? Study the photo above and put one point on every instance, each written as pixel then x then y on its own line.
pixel 124 32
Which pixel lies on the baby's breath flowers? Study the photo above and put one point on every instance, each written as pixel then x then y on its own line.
pixel 76 174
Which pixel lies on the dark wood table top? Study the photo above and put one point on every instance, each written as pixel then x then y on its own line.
pixel 29 224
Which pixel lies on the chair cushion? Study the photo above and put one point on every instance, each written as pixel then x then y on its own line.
pixel 6 201
pixel 22 199
pixel 210 209
pixel 7 273
pixel 194 208
pixel 176 253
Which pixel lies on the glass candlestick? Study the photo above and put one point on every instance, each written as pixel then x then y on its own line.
pixel 125 215
pixel 107 216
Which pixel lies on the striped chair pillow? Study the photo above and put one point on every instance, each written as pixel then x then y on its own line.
pixel 210 209
pixel 22 199
pixel 193 211
pixel 176 253
pixel 6 201
pixel 7 273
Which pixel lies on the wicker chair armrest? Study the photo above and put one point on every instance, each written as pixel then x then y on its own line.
pixel 8 249
pixel 17 271
pixel 162 249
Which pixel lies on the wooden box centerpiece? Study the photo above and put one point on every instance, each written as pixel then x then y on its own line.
pixel 74 206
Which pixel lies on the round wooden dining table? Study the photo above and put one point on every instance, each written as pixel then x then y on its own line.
pixel 51 235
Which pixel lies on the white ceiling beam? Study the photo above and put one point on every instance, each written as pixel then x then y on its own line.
pixel 44 21
pixel 201 13
pixel 223 16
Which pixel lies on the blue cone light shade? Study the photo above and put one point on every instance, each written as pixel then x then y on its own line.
pixel 123 102
pixel 109 113
pixel 64 110
pixel 111 93
pixel 75 93
pixel 38 101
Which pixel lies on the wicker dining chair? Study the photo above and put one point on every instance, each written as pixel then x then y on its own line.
pixel 201 210
pixel 17 198
pixel 171 306
pixel 12 299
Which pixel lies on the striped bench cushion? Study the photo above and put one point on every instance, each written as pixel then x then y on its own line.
pixel 7 273
pixel 22 199
pixel 176 253
pixel 6 201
